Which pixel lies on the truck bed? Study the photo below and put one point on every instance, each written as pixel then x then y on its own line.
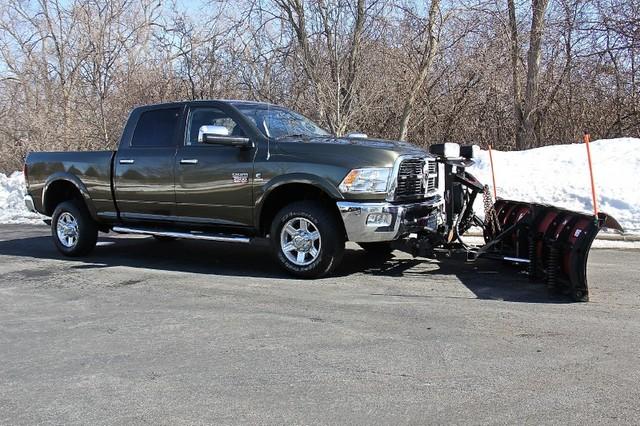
pixel 92 169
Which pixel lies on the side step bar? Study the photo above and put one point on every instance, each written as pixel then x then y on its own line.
pixel 188 235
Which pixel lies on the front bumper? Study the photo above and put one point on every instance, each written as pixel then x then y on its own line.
pixel 28 201
pixel 380 221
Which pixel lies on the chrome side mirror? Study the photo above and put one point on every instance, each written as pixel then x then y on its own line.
pixel 357 135
pixel 211 131
pixel 219 135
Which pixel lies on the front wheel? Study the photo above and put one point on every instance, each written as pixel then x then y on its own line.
pixel 307 239
pixel 74 231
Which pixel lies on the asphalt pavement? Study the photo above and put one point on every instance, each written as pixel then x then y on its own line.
pixel 188 332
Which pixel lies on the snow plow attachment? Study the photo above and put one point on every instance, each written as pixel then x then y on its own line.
pixel 553 242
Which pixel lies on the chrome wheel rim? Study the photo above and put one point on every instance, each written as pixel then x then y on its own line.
pixel 300 241
pixel 67 230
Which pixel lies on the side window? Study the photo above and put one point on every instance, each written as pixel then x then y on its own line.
pixel 210 117
pixel 156 128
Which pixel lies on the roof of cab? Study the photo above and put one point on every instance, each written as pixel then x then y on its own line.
pixel 234 102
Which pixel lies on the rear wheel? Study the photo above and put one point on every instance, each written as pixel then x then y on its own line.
pixel 74 231
pixel 307 239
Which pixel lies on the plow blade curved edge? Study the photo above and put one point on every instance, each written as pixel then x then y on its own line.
pixel 555 241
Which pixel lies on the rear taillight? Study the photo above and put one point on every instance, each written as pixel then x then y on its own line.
pixel 25 171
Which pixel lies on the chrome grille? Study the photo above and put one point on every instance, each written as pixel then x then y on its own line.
pixel 410 178
pixel 432 178
pixel 412 183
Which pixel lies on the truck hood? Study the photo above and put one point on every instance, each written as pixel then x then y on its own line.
pixel 352 152
pixel 403 147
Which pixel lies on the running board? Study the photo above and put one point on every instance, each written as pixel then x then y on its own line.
pixel 188 235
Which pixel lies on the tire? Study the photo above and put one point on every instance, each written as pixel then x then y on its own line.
pixel 307 239
pixel 73 230
pixel 381 249
pixel 164 238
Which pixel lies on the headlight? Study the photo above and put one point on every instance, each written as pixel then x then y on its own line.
pixel 374 180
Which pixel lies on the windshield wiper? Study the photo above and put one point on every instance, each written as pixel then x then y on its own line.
pixel 294 135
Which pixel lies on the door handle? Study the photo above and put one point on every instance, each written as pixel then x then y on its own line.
pixel 127 161
pixel 189 161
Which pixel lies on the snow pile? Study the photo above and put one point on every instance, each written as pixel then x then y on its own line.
pixel 12 207
pixel 559 175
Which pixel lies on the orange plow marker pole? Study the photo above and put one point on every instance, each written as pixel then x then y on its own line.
pixel 587 139
pixel 493 174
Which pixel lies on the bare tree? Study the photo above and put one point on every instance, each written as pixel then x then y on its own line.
pixel 430 37
pixel 526 108
pixel 514 74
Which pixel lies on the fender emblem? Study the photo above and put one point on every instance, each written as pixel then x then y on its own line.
pixel 240 177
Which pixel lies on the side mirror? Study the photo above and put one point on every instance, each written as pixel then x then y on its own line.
pixel 357 135
pixel 219 135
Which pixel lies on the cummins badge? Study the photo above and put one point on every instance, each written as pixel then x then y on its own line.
pixel 240 177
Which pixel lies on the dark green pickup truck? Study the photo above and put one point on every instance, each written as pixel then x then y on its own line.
pixel 234 171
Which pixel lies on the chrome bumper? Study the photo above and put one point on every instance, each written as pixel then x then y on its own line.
pixel 371 222
pixel 28 201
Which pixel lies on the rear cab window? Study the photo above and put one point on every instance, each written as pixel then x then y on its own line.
pixel 156 128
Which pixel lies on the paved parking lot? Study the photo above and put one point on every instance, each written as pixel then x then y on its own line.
pixel 143 332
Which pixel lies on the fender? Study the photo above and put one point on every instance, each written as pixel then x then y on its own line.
pixel 300 178
pixel 75 181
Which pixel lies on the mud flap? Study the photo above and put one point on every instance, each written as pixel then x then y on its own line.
pixel 554 243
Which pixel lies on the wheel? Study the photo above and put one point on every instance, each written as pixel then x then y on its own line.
pixel 74 231
pixel 164 238
pixel 381 249
pixel 307 239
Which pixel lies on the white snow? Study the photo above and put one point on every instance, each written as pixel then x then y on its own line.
pixel 559 175
pixel 12 207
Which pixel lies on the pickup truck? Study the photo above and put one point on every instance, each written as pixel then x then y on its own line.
pixel 234 171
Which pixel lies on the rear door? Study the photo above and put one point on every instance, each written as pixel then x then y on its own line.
pixel 214 182
pixel 144 178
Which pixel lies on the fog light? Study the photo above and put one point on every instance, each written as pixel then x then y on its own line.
pixel 379 219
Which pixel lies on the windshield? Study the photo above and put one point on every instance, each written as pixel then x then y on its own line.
pixel 278 122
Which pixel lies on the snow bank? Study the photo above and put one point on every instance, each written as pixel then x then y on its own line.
pixel 559 175
pixel 12 208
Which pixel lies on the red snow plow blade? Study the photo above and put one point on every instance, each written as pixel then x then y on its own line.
pixel 554 242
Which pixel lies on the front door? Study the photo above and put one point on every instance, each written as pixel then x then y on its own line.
pixel 214 182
